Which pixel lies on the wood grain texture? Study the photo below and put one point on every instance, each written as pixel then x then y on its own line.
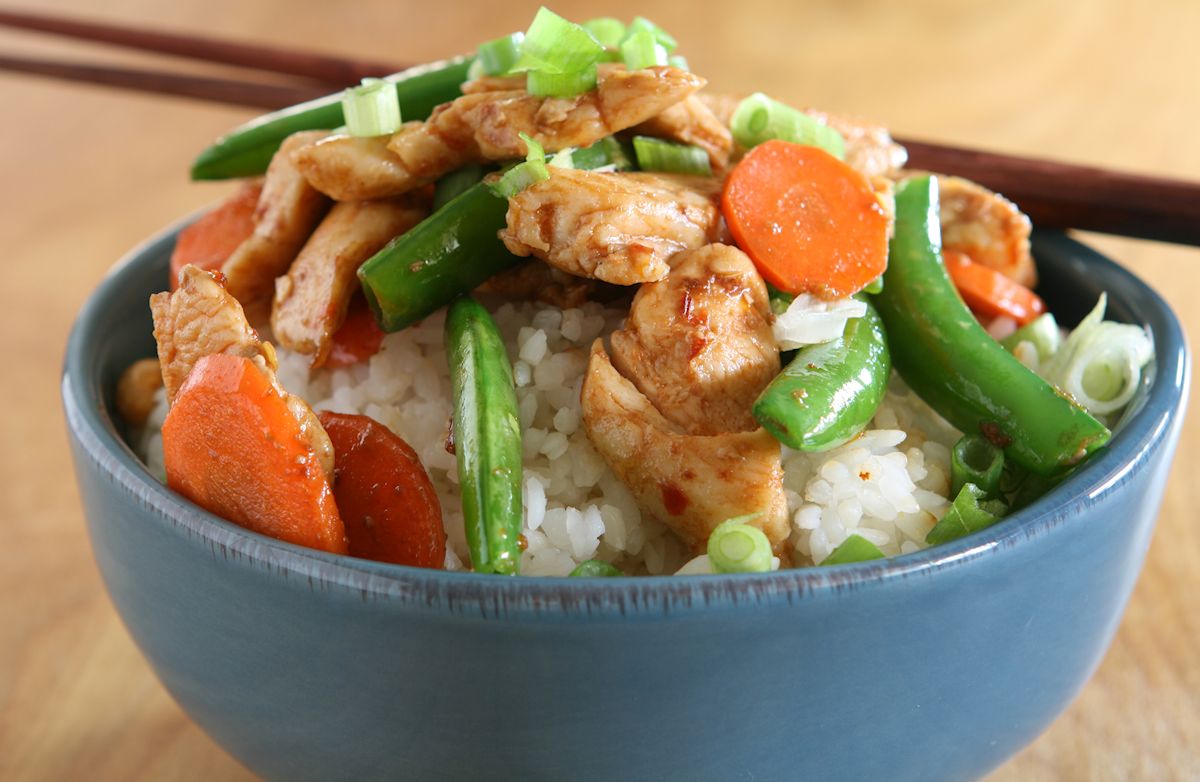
pixel 89 172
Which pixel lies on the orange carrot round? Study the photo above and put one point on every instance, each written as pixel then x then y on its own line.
pixel 810 223
pixel 990 293
pixel 386 499
pixel 209 241
pixel 232 446
pixel 358 338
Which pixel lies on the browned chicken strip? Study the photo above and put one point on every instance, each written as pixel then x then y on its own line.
pixel 699 343
pixel 288 211
pixel 350 168
pixel 689 482
pixel 691 121
pixel 620 228
pixel 312 298
pixel 870 149
pixel 201 318
pixel 136 389
pixel 987 227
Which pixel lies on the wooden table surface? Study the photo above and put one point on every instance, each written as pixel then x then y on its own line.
pixel 87 173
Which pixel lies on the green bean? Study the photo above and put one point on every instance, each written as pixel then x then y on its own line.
pixel 975 460
pixel 595 568
pixel 487 437
pixel 246 150
pixel 445 255
pixel 944 355
pixel 456 183
pixel 829 391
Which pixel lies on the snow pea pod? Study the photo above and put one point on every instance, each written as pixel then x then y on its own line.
pixel 246 150
pixel 487 437
pixel 944 355
pixel 828 392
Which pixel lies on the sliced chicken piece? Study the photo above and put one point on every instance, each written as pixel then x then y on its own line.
pixel 288 211
pixel 493 84
pixel 870 149
pixel 721 104
pixel 987 227
pixel 136 389
pixel 691 121
pixel 535 281
pixel 201 318
pixel 352 168
pixel 311 300
pixel 620 228
pixel 689 482
pixel 699 343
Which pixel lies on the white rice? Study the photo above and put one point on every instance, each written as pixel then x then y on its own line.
pixel 889 485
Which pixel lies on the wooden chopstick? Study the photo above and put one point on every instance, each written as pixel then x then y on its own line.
pixel 231 91
pixel 1053 194
pixel 336 71
pixel 1063 195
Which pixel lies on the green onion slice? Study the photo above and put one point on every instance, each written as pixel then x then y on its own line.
pixel 545 84
pixel 371 109
pixel 607 31
pixel 969 512
pixel 554 45
pixel 874 286
pixel 759 118
pixel 496 57
pixel 642 50
pixel 595 568
pixel 522 175
pixel 1043 333
pixel 855 548
pixel 678 61
pixel 641 24
pixel 608 153
pixel 654 154
pixel 974 459
pixel 736 547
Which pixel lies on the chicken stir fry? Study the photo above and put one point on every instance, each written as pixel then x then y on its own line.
pixel 987 227
pixel 619 228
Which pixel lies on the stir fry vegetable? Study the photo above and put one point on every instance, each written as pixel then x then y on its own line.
pixel 595 568
pixel 246 151
pixel 970 512
pixel 487 437
pixel 829 391
pixel 946 356
pixel 737 547
pixel 208 242
pixel 855 548
pixel 990 293
pixel 810 222
pixel 976 460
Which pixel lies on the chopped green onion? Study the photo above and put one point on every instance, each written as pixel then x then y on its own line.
pixel 855 548
pixel 564 158
pixel 780 300
pixel 545 84
pixel 641 24
pixel 496 57
pixel 735 547
pixel 759 118
pixel 969 512
pixel 654 154
pixel 606 30
pixel 974 459
pixel 678 61
pixel 874 286
pixel 1100 362
pixel 371 109
pixel 605 153
pixel 1043 333
pixel 522 175
pixel 455 183
pixel 595 568
pixel 554 45
pixel 641 50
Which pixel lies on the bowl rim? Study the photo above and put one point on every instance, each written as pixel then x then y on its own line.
pixel 490 596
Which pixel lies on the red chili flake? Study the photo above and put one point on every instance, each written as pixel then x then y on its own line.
pixel 994 434
pixel 674 500
pixel 698 345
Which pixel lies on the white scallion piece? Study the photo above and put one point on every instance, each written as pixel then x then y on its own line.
pixel 809 320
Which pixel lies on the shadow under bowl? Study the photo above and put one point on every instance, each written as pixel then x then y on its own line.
pixel 935 665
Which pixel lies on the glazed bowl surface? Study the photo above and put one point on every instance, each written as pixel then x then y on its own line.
pixel 939 664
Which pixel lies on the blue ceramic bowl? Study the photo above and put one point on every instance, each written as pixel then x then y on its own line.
pixel 935 665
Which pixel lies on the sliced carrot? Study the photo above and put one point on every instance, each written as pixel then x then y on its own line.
pixel 990 293
pixel 810 223
pixel 232 446
pixel 386 499
pixel 213 238
pixel 358 338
